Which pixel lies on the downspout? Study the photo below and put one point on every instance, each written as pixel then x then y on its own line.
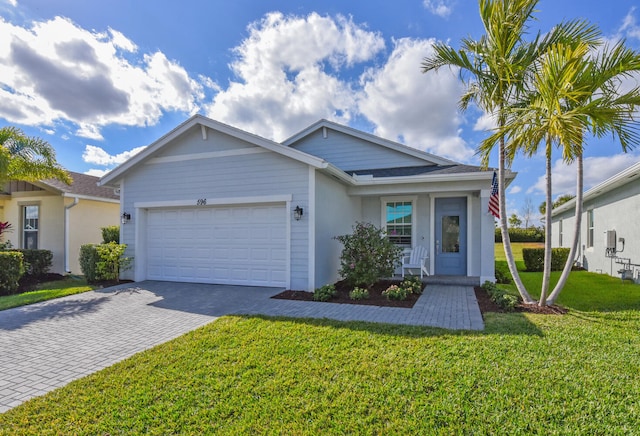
pixel 66 233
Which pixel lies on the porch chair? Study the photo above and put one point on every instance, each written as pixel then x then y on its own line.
pixel 417 259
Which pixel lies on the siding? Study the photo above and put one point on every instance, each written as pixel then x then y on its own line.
pixel 220 177
pixel 615 210
pixel 350 153
pixel 336 214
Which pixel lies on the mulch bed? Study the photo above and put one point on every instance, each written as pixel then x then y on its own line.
pixel 375 295
pixel 29 283
pixel 377 299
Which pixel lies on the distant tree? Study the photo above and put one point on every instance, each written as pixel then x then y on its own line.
pixel 27 158
pixel 559 201
pixel 527 212
pixel 514 221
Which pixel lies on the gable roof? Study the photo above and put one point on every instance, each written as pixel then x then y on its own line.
pixel 624 177
pixel 205 122
pixel 82 186
pixel 396 146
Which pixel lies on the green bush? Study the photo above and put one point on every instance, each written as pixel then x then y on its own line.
pixel 100 262
pixel 325 293
pixel 413 285
pixel 11 269
pixel 534 258
pixel 503 275
pixel 367 255
pixel 37 262
pixel 395 292
pixel 501 297
pixel 110 234
pixel 359 294
pixel 532 234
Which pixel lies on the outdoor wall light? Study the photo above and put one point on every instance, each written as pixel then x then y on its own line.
pixel 298 212
pixel 125 218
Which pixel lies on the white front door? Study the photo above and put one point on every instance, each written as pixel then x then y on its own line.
pixel 242 245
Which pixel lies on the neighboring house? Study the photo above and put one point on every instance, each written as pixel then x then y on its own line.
pixel 610 215
pixel 55 216
pixel 212 203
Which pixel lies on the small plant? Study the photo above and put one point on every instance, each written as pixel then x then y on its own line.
pixel 501 297
pixel 503 276
pixel 325 293
pixel 359 294
pixel 395 292
pixel 110 234
pixel 5 228
pixel 413 284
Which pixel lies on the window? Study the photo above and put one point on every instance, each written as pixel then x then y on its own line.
pixel 31 216
pixel 560 233
pixel 399 222
pixel 590 228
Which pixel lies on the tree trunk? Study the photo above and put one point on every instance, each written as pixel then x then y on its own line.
pixel 576 233
pixel 504 231
pixel 546 270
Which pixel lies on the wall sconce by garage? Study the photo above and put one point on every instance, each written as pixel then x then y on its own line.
pixel 125 218
pixel 298 212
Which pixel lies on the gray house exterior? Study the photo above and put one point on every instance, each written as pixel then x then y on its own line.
pixel 211 203
pixel 610 234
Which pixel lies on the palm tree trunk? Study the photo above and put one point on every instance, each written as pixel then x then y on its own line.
pixel 546 270
pixel 506 241
pixel 576 233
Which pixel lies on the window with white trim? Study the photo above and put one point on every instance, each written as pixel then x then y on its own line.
pixel 30 226
pixel 560 233
pixel 590 228
pixel 399 221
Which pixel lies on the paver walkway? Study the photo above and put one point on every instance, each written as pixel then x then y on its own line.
pixel 46 345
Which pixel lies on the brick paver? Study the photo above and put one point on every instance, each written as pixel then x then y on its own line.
pixel 46 345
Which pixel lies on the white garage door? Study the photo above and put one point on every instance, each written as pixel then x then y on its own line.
pixel 243 245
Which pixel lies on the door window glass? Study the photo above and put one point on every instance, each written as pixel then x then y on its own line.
pixel 451 234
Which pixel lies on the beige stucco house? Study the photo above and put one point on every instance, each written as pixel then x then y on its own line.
pixel 54 216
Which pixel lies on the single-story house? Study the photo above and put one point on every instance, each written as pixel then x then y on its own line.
pixel 52 215
pixel 215 204
pixel 609 231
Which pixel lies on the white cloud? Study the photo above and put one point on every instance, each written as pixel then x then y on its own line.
pixel 98 156
pixel 630 27
pixel 596 170
pixel 417 109
pixel 515 189
pixel 442 8
pixel 486 122
pixel 55 70
pixel 96 172
pixel 287 73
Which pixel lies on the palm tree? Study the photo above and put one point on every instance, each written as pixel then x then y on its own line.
pixel 27 158
pixel 495 70
pixel 571 93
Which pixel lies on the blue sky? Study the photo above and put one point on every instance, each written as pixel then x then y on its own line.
pixel 99 80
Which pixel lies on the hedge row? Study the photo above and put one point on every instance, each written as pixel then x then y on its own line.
pixel 532 234
pixel 534 258
pixel 11 269
pixel 100 262
pixel 36 262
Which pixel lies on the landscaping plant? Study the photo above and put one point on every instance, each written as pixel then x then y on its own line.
pixel 359 294
pixel 395 292
pixel 324 293
pixel 367 255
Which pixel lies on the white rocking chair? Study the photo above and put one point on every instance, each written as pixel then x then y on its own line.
pixel 417 259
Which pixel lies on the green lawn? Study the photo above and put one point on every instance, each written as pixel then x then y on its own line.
pixel 525 374
pixel 46 291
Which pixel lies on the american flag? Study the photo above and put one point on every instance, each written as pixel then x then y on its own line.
pixel 494 199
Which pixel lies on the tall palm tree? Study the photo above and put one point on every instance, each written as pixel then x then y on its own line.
pixel 570 93
pixel 27 158
pixel 495 70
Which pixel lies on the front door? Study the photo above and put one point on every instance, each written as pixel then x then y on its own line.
pixel 451 236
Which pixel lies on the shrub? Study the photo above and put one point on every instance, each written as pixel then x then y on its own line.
pixel 501 297
pixel 395 292
pixel 359 294
pixel 367 255
pixel 503 275
pixel 103 261
pixel 325 293
pixel 110 234
pixel 37 262
pixel 532 234
pixel 11 269
pixel 534 258
pixel 413 285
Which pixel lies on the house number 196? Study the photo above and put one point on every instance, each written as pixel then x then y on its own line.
pixel 201 202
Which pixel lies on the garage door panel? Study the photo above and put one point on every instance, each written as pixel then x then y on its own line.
pixel 235 245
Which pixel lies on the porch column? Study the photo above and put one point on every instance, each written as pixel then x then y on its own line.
pixel 487 239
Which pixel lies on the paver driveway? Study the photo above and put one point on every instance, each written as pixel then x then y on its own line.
pixel 46 345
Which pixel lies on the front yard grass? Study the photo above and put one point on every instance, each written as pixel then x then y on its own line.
pixel 525 374
pixel 46 291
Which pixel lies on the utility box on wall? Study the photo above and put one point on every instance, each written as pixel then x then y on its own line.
pixel 610 240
